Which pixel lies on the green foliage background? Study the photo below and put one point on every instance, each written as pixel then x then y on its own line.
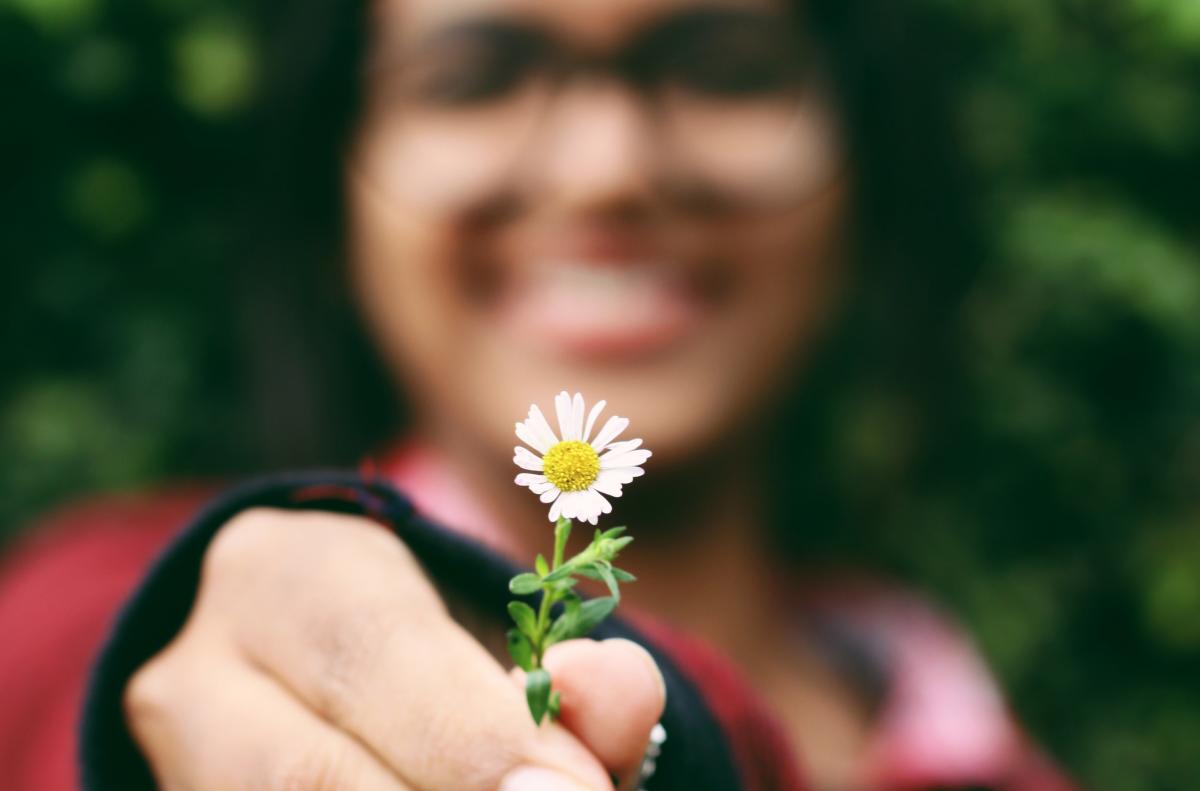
pixel 1075 554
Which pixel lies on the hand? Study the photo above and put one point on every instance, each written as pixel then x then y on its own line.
pixel 318 656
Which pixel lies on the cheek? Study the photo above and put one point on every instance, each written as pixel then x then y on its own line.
pixel 404 284
pixel 787 275
pixel 417 290
pixel 793 272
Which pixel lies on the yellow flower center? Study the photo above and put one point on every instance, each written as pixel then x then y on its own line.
pixel 572 465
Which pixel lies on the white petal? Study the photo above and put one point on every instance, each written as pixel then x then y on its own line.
pixel 583 505
pixel 627 473
pixel 541 429
pixel 530 438
pixel 550 494
pixel 556 509
pixel 538 484
pixel 577 409
pixel 605 505
pixel 569 503
pixel 621 475
pixel 591 421
pixel 562 406
pixel 633 458
pixel 609 482
pixel 623 446
pixel 526 460
pixel 588 507
pixel 612 429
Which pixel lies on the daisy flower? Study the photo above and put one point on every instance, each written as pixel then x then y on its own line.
pixel 572 471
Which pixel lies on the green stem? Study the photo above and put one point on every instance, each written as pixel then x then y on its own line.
pixel 543 622
pixel 550 593
pixel 562 531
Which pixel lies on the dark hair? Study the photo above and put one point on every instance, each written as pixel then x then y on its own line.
pixel 322 397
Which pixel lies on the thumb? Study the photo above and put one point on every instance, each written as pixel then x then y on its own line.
pixel 612 696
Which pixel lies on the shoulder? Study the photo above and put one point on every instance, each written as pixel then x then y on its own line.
pixel 102 538
pixel 61 584
pixel 930 680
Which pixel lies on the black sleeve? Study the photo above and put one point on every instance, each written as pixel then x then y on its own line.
pixel 696 755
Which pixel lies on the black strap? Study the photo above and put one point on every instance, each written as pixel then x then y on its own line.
pixel 696 755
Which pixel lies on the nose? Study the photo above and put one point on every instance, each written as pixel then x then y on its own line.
pixel 595 153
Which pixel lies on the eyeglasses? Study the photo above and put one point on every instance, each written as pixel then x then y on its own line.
pixel 736 110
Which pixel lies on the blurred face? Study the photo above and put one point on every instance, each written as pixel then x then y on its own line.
pixel 636 199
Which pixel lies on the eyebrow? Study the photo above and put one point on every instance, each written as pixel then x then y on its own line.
pixel 510 27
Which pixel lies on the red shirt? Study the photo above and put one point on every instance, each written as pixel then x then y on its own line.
pixel 60 589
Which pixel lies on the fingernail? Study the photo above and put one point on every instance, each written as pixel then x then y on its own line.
pixel 651 665
pixel 536 778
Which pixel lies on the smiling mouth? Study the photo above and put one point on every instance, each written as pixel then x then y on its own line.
pixel 600 308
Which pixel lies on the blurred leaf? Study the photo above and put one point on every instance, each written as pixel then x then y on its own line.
pixel 109 197
pixel 1079 244
pixel 98 68
pixel 215 66
pixel 58 16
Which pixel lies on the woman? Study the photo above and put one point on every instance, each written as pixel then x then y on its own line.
pixel 661 204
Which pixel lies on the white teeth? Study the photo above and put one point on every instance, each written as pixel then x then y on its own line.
pixel 601 304
pixel 622 278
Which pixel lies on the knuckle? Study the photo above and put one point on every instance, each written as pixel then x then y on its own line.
pixel 242 541
pixel 348 648
pixel 147 694
pixel 445 735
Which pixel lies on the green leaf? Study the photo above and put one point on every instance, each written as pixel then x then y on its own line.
pixel 611 533
pixel 555 704
pixel 520 650
pixel 543 568
pixel 589 570
pixel 537 693
pixel 560 573
pixel 602 571
pixel 524 617
pixel 524 584
pixel 617 545
pixel 606 573
pixel 579 618
pixel 562 586
pixel 592 612
pixel 561 628
pixel 623 576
